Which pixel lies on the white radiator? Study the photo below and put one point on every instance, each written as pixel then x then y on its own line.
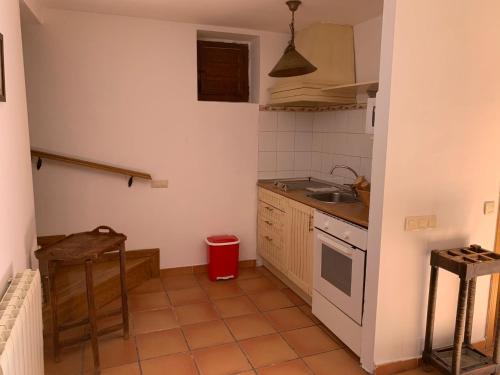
pixel 21 333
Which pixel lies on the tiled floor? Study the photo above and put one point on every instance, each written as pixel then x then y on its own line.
pixel 187 325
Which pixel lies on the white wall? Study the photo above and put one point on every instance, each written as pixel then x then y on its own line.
pixel 123 91
pixel 439 113
pixel 308 144
pixel 17 216
pixel 31 11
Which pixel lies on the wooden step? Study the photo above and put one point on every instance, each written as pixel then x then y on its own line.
pixel 141 265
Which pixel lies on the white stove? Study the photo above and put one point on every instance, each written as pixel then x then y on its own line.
pixel 339 277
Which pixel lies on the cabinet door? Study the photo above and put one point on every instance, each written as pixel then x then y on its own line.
pixel 299 245
pixel 270 235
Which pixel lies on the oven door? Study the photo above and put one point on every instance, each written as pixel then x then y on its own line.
pixel 339 273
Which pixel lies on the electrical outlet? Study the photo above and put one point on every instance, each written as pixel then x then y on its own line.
pixel 489 207
pixel 417 223
pixel 159 184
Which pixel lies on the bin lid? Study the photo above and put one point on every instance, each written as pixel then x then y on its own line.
pixel 222 240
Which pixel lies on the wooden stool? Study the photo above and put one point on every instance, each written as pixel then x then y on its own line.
pixel 461 358
pixel 85 248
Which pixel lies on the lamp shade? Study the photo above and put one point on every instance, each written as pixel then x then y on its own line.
pixel 292 64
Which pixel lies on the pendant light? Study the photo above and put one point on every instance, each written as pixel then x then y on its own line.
pixel 292 63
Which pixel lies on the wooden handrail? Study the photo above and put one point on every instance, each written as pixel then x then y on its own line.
pixel 88 164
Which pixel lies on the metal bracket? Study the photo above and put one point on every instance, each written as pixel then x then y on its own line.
pixel 130 181
pixel 39 164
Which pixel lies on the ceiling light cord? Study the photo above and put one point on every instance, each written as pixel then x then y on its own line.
pixel 292 30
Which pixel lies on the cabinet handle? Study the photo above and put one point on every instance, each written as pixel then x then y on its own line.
pixel 268 238
pixel 311 226
pixel 269 208
pixel 373 117
pixel 268 222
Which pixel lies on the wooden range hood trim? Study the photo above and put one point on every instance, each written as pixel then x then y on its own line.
pixel 291 108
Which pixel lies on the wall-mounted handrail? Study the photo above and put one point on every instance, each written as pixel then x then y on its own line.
pixel 88 164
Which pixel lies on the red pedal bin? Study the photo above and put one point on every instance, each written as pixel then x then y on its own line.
pixel 223 255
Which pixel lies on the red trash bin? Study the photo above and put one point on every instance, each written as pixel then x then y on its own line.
pixel 223 255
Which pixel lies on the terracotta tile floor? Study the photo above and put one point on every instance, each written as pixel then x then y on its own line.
pixel 188 325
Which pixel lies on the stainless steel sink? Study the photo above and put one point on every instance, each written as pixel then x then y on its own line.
pixel 335 197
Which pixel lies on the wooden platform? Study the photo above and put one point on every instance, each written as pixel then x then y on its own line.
pixel 142 265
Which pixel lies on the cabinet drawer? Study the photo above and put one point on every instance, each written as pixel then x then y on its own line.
pixel 271 234
pixel 272 253
pixel 275 200
pixel 271 215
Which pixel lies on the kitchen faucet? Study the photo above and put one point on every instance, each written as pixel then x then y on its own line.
pixel 353 188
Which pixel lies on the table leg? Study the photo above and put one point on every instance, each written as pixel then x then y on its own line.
pixel 53 307
pixel 92 313
pixel 470 310
pixel 459 327
pixel 431 309
pixel 496 348
pixel 123 282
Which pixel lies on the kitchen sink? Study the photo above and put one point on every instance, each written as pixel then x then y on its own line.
pixel 335 197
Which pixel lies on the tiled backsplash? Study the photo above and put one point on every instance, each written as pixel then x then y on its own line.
pixel 303 144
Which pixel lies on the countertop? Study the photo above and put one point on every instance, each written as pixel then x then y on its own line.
pixel 356 213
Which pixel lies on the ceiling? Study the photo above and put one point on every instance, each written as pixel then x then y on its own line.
pixel 271 15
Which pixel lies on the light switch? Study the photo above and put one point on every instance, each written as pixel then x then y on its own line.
pixel 417 223
pixel 489 207
pixel 159 184
pixel 411 224
pixel 432 222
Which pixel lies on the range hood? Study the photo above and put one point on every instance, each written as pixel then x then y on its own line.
pixel 330 48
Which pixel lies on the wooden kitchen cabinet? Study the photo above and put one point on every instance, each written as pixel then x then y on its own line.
pixel 299 244
pixel 271 236
pixel 285 237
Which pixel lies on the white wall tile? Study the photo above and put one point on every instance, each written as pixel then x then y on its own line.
pixel 366 168
pixel 302 174
pixel 317 141
pixel 316 161
pixel 268 121
pixel 304 121
pixel 326 163
pixel 313 142
pixel 285 174
pixel 366 148
pixel 322 121
pixel 268 141
pixel 302 161
pixel 286 121
pixel 316 174
pixel 267 161
pixel 356 121
pixel 266 175
pixel 286 141
pixel 327 142
pixel 303 141
pixel 346 144
pixel 339 122
pixel 351 161
pixel 285 161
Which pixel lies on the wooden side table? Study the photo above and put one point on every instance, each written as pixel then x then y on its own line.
pixel 462 358
pixel 85 248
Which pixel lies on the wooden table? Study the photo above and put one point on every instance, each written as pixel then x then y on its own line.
pixel 462 358
pixel 85 248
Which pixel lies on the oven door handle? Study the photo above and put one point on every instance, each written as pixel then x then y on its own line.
pixel 336 246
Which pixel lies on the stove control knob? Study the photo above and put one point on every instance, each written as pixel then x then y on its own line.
pixel 346 235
